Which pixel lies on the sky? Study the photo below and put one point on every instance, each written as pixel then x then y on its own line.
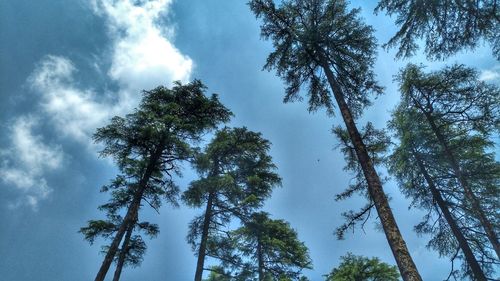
pixel 67 67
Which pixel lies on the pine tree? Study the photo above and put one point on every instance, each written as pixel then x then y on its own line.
pixel 148 146
pixel 133 247
pixel 455 105
pixel 263 249
pixel 358 268
pixel 322 44
pixel 447 27
pixel 237 174
pixel 416 164
pixel 377 143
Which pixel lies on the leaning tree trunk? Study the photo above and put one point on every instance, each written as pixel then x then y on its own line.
pixel 398 246
pixel 131 213
pixel 123 253
pixel 202 251
pixel 469 194
pixel 462 242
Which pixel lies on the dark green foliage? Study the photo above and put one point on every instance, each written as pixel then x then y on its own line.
pixel 262 249
pixel 148 147
pixel 414 136
pixel 236 168
pixel 326 47
pixel 305 32
pixel 460 114
pixel 237 175
pixel 358 268
pixel 447 26
pixel 302 33
pixel 454 95
pixel 377 143
pixel 447 118
pixel 236 163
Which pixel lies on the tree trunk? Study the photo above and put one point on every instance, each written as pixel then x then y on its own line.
pixel 462 242
pixel 123 253
pixel 398 246
pixel 204 236
pixel 131 214
pixel 260 259
pixel 469 194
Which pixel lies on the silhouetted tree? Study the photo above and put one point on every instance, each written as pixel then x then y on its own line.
pixel 237 174
pixel 447 26
pixel 326 46
pixel 148 146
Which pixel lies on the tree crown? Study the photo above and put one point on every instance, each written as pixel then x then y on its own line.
pixel 447 27
pixel 309 35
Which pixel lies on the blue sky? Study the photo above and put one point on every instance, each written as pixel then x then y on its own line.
pixel 66 67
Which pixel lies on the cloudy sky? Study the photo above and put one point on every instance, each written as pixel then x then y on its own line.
pixel 66 67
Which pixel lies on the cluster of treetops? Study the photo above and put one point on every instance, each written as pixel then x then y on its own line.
pixel 439 146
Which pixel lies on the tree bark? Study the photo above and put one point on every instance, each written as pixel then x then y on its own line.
pixel 204 236
pixel 123 253
pixel 469 194
pixel 131 213
pixel 462 242
pixel 397 244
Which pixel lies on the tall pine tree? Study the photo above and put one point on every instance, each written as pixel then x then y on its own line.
pixel 325 46
pixel 237 174
pixel 455 104
pixel 263 249
pixel 148 146
pixel 423 176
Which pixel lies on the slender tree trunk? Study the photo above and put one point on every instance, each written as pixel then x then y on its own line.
pixel 398 246
pixel 204 236
pixel 462 242
pixel 260 259
pixel 123 253
pixel 469 194
pixel 131 214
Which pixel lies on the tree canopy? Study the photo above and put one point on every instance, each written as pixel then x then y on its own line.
pixel 423 175
pixel 358 268
pixel 147 146
pixel 262 249
pixel 237 175
pixel 458 108
pixel 308 34
pixel 326 47
pixel 446 27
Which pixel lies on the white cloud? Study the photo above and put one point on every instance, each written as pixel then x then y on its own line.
pixel 23 166
pixel 490 75
pixel 75 112
pixel 143 57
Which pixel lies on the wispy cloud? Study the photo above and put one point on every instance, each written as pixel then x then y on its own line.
pixel 143 57
pixel 27 160
pixel 74 112
pixel 490 75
